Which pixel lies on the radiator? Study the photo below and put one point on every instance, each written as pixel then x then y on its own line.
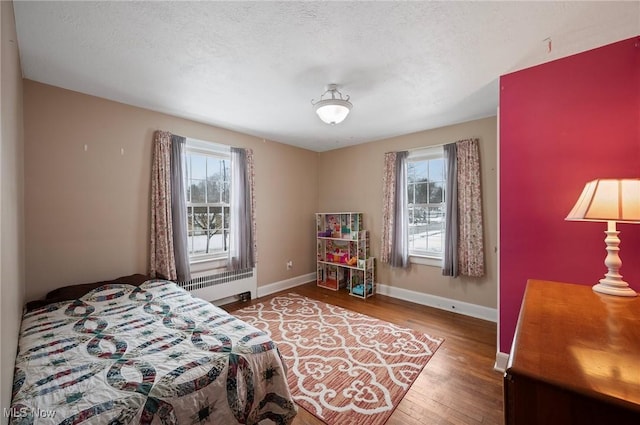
pixel 222 287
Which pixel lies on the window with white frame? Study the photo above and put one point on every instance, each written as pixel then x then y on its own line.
pixel 207 176
pixel 425 198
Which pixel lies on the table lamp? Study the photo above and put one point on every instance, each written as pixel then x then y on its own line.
pixel 613 201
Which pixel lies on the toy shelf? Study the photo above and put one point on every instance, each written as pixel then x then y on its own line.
pixel 343 254
pixel 332 263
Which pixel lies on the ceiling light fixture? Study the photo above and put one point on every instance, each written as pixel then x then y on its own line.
pixel 332 110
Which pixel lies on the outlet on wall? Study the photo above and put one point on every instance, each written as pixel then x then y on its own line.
pixel 289 265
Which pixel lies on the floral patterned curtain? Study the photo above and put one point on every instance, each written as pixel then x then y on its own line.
pixel 388 199
pixel 470 232
pixel 162 262
pixel 251 176
pixel 395 217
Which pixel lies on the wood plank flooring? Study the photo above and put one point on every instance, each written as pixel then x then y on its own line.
pixel 458 386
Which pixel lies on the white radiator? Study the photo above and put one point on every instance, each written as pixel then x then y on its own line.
pixel 222 287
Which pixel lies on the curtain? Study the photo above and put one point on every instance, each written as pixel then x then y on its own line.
pixel 395 217
pixel 450 249
pixel 470 232
pixel 388 200
pixel 179 208
pixel 169 258
pixel 242 247
pixel 162 260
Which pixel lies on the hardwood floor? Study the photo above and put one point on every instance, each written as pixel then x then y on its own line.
pixel 458 385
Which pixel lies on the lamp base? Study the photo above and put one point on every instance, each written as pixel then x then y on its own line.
pixel 612 283
pixel 621 291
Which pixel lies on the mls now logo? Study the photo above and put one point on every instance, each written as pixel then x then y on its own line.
pixel 25 412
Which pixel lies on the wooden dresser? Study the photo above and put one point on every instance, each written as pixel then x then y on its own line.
pixel 575 358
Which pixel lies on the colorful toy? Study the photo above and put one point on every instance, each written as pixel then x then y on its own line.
pixel 341 257
pixel 338 257
pixel 359 289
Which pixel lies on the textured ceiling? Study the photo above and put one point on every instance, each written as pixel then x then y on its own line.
pixel 255 66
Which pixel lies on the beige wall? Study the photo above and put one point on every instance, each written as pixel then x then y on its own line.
pixel 351 180
pixel 87 212
pixel 11 195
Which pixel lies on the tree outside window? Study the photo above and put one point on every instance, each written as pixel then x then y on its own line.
pixel 207 191
pixel 425 197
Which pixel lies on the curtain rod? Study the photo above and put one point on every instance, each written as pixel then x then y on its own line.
pixel 429 146
pixel 420 148
pixel 440 145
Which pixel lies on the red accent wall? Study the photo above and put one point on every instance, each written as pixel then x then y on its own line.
pixel 563 124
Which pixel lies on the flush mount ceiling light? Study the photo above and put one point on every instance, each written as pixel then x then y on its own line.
pixel 334 109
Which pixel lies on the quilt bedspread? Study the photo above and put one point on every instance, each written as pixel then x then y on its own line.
pixel 151 354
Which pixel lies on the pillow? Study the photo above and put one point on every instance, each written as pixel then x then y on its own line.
pixel 72 292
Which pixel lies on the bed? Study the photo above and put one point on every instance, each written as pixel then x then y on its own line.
pixel 146 353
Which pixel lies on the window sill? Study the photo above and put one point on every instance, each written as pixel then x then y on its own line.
pixel 425 261
pixel 207 264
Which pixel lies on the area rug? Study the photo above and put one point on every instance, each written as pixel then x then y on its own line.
pixel 344 367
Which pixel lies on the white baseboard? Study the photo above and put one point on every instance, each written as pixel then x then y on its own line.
pixel 460 307
pixel 501 362
pixel 285 284
pixel 442 303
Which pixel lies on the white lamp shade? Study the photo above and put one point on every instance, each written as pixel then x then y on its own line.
pixel 333 111
pixel 608 200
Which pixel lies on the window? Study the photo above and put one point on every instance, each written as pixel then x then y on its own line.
pixel 208 179
pixel 425 199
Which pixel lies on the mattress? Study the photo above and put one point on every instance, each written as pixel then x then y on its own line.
pixel 149 354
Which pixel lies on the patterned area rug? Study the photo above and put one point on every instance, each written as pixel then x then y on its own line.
pixel 344 367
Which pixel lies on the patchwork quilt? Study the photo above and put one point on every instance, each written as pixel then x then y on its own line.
pixel 151 354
